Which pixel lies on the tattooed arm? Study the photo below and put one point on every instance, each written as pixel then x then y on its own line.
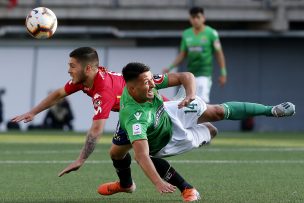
pixel 88 148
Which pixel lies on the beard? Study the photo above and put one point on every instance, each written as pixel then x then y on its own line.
pixel 80 79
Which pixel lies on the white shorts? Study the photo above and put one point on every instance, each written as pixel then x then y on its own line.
pixel 186 133
pixel 203 87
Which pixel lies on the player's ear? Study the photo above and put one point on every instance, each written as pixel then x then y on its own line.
pixel 131 87
pixel 88 68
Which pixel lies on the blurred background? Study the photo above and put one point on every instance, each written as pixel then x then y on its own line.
pixel 263 42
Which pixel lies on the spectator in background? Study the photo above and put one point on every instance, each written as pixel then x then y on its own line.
pixel 9 125
pixel 198 45
pixel 59 116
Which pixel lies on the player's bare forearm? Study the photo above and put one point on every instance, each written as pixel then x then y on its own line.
pixel 222 64
pixel 180 57
pixel 141 149
pixel 50 100
pixel 86 151
pixel 220 58
pixel 89 146
pixel 92 138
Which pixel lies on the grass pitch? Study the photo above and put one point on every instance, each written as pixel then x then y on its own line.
pixel 236 167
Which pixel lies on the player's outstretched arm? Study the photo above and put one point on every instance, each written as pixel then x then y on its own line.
pixel 46 103
pixel 89 146
pixel 141 150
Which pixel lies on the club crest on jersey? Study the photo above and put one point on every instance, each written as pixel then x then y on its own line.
pixel 158 79
pixel 204 39
pixel 97 103
pixel 136 129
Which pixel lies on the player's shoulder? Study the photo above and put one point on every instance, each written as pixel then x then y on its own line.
pixel 211 30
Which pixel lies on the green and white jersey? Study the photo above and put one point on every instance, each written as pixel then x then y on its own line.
pixel 146 120
pixel 200 49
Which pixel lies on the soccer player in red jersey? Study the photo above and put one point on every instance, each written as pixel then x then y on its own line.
pixel 102 86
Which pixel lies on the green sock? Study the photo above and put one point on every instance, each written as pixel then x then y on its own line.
pixel 242 110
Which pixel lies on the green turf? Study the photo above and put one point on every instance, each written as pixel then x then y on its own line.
pixel 236 167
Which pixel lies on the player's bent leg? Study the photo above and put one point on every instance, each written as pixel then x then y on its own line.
pixel 123 170
pixel 213 113
pixel 121 158
pixel 243 110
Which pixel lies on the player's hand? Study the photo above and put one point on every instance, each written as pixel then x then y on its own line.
pixel 27 117
pixel 164 187
pixel 222 80
pixel 72 167
pixel 185 102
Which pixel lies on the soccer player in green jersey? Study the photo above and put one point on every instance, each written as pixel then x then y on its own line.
pixel 199 43
pixel 160 129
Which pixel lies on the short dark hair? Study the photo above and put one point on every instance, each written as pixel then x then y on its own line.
pixel 196 10
pixel 132 70
pixel 86 55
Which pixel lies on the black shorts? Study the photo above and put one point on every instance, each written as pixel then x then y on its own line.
pixel 120 136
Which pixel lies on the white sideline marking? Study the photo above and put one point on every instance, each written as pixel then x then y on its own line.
pixel 43 152
pixel 260 149
pixel 265 149
pixel 171 161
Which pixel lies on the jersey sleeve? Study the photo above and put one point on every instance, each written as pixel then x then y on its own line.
pixel 136 126
pixel 216 41
pixel 70 88
pixel 161 81
pixel 103 104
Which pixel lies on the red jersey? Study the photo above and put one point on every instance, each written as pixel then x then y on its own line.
pixel 105 92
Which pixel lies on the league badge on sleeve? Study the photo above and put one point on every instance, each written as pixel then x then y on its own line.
pixel 136 129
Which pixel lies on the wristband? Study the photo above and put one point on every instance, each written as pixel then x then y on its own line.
pixel 223 72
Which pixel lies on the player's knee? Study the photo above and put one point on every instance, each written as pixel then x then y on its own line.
pixel 212 129
pixel 117 154
pixel 112 154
